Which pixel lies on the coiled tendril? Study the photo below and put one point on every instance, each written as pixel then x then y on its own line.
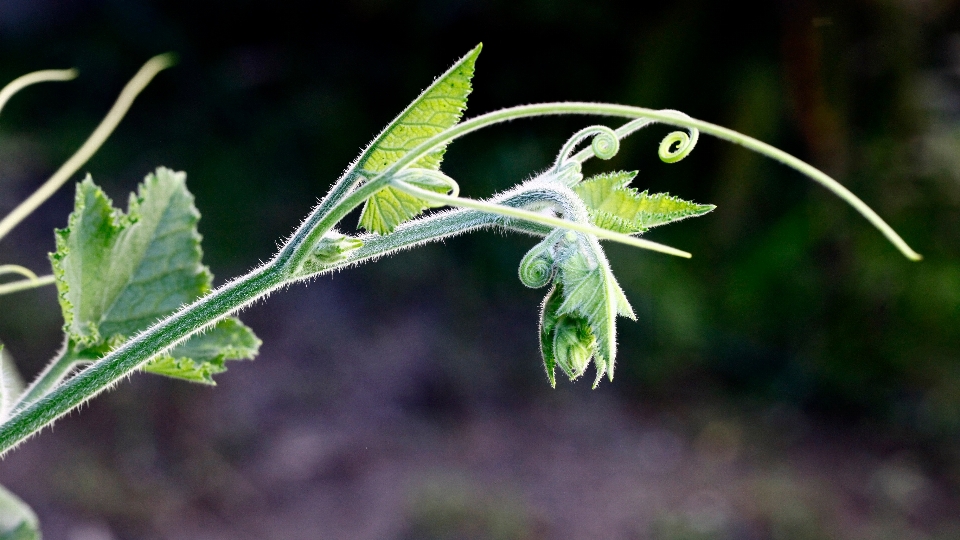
pixel 684 145
pixel 605 144
pixel 537 266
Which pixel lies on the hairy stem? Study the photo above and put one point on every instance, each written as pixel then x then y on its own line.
pixel 91 145
pixel 50 377
pixel 131 355
pixel 31 417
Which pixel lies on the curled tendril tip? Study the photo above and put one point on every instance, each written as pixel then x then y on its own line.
pixel 684 145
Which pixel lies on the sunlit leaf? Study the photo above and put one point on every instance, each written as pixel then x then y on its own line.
pixel 439 107
pixel 614 205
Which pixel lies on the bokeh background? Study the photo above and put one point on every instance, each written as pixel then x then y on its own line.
pixel 797 379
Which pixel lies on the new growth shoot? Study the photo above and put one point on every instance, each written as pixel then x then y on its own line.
pixel 108 261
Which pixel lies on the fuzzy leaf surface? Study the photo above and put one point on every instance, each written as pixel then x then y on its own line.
pixel 17 520
pixel 117 273
pixel 439 107
pixel 615 206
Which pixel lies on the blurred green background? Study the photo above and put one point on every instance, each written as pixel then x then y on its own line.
pixel 796 379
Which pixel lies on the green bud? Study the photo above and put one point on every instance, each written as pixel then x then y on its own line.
pixel 334 247
pixel 573 345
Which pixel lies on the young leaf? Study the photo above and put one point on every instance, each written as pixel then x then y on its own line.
pixel 17 520
pixel 439 107
pixel 118 273
pixel 615 206
pixel 590 291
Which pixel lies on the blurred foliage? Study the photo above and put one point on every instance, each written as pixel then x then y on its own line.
pixel 790 296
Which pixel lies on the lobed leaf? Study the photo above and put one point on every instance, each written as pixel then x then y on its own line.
pixel 118 273
pixel 439 107
pixel 17 520
pixel 614 206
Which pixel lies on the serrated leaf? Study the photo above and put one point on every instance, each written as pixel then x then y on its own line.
pixel 390 207
pixel 615 206
pixel 117 273
pixel 17 520
pixel 439 107
pixel 591 291
pixel 203 355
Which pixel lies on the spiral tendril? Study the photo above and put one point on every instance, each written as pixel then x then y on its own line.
pixel 537 266
pixel 684 145
pixel 605 144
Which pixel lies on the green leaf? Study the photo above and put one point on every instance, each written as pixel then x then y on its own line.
pixel 439 107
pixel 615 206
pixel 11 383
pixel 203 355
pixel 17 520
pixel 119 273
pixel 591 291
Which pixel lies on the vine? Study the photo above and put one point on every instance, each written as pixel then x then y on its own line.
pixel 107 260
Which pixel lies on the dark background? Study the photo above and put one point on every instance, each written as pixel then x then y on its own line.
pixel 797 379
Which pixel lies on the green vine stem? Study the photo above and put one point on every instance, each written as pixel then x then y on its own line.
pixel 46 75
pixel 26 284
pixel 664 117
pixel 17 269
pixel 343 197
pixel 52 375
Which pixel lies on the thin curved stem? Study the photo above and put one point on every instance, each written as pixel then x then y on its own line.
pixel 663 117
pixel 526 215
pixel 17 269
pixel 92 144
pixel 26 284
pixel 23 81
